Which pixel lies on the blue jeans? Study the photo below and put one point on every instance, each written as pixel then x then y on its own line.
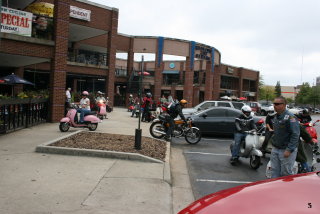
pixel 281 166
pixel 237 141
pixel 82 112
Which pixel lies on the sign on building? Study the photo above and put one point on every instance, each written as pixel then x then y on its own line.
pixel 79 13
pixel 16 21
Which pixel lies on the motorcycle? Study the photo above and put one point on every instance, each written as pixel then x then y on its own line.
pixel 249 148
pixel 72 118
pixel 311 149
pixel 160 126
pixel 102 111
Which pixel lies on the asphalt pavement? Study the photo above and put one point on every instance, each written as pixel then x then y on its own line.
pixel 32 182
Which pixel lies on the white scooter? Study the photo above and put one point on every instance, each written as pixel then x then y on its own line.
pixel 249 148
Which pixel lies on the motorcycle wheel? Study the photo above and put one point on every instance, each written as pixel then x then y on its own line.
pixel 255 161
pixel 157 126
pixel 92 126
pixel 193 136
pixel 64 127
pixel 101 117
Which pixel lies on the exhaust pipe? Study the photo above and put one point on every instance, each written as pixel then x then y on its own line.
pixel 159 132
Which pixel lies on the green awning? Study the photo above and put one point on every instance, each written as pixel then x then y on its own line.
pixel 170 72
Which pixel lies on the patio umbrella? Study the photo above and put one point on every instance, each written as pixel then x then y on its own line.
pixel 225 98
pixel 13 79
pixel 144 73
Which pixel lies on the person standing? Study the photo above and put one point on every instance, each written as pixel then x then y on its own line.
pixel 285 140
pixel 269 130
pixel 68 99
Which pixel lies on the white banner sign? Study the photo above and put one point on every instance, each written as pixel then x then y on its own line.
pixel 16 21
pixel 79 13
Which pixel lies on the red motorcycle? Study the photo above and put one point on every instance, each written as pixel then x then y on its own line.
pixel 313 133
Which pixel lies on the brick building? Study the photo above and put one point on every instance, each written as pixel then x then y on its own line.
pixel 76 45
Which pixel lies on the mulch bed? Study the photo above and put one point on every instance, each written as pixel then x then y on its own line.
pixel 114 142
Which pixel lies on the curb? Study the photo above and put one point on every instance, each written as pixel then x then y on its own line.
pixel 46 148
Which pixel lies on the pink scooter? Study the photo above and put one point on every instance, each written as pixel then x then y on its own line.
pixel 102 111
pixel 90 120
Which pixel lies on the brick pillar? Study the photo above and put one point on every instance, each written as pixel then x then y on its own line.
pixel 112 35
pixel 130 59
pixel 188 83
pixel 59 61
pixel 18 88
pixel 208 88
pixel 196 94
pixel 181 72
pixel 216 82
pixel 240 82
pixel 257 86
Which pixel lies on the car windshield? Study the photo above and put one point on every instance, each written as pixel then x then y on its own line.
pixel 238 105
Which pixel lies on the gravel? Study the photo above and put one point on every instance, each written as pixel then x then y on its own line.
pixel 114 142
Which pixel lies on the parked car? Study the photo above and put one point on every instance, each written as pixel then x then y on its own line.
pixel 316 111
pixel 219 120
pixel 265 109
pixel 255 106
pixel 211 103
pixel 286 195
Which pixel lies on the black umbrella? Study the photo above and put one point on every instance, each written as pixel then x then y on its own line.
pixel 13 79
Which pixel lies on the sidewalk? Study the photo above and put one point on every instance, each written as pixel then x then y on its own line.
pixel 33 182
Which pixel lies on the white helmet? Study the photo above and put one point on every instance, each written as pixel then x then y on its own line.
pixel 246 110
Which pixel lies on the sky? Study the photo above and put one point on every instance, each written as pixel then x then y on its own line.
pixel 278 38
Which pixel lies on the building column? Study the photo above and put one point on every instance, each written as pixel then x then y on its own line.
pixel 18 88
pixel 208 88
pixel 257 86
pixel 216 82
pixel 196 95
pixel 188 83
pixel 130 59
pixel 240 82
pixel 159 66
pixel 111 56
pixel 59 61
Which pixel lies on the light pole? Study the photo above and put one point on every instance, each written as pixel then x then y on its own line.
pixel 137 140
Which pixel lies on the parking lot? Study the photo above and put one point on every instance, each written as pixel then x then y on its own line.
pixel 209 167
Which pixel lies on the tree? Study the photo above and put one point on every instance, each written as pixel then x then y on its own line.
pixel 315 96
pixel 278 89
pixel 305 94
pixel 267 93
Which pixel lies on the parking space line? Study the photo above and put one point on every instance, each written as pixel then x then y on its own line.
pixel 205 153
pixel 224 181
pixel 216 139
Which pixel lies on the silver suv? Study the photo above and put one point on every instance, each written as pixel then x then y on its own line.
pixel 212 103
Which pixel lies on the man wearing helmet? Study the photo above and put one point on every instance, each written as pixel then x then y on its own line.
pixel 174 110
pixel 84 106
pixel 146 103
pixel 304 116
pixel 243 123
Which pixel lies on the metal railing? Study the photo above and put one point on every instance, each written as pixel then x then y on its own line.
pixel 15 115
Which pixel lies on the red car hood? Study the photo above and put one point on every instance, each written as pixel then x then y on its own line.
pixel 290 194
